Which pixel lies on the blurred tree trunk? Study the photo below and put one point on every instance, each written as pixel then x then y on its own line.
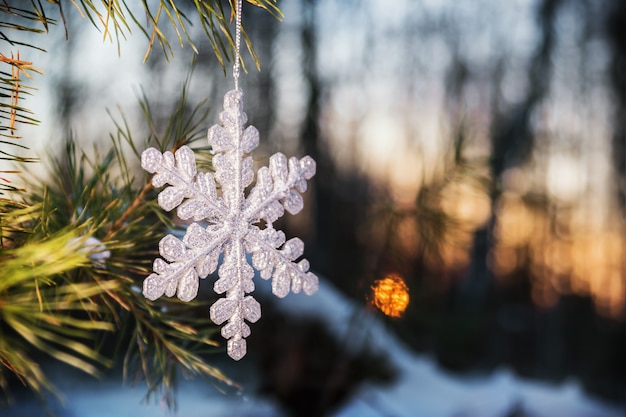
pixel 339 200
pixel 68 92
pixel 616 33
pixel 261 84
pixel 512 143
pixel 311 131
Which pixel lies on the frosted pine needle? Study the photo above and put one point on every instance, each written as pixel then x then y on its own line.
pixel 229 224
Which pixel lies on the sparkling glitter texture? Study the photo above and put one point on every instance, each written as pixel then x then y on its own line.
pixel 230 224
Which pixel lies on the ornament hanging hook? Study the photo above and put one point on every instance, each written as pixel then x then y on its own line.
pixel 236 65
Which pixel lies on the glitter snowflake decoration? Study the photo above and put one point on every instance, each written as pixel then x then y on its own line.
pixel 232 224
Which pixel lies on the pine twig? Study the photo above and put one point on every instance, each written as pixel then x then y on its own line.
pixel 129 211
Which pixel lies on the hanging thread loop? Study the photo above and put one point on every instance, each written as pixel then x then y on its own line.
pixel 236 65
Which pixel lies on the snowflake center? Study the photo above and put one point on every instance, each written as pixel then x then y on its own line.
pixel 238 226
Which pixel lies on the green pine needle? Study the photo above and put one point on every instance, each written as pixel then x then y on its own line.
pixel 66 301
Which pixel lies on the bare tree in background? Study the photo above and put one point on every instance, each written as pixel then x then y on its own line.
pixel 616 34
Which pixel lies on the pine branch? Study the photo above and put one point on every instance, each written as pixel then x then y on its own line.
pixel 12 68
pixel 39 303
pixel 115 19
pixel 13 85
pixel 119 224
pixel 130 210
pixel 74 249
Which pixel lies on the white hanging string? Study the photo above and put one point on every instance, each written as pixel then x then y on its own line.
pixel 237 42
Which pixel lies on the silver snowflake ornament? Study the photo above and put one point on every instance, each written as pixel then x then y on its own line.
pixel 229 223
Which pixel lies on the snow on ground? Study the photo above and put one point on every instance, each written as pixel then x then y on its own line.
pixel 422 389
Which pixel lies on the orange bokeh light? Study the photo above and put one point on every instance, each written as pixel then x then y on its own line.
pixel 391 295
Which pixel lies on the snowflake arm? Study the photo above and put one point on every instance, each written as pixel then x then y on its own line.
pixel 279 264
pixel 274 189
pixel 232 224
pixel 179 172
pixel 194 257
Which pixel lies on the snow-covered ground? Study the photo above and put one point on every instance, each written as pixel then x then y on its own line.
pixel 422 389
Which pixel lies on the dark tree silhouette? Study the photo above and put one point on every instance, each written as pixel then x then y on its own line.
pixel 512 142
pixel 616 34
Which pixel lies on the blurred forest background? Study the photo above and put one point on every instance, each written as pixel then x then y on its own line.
pixel 474 149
